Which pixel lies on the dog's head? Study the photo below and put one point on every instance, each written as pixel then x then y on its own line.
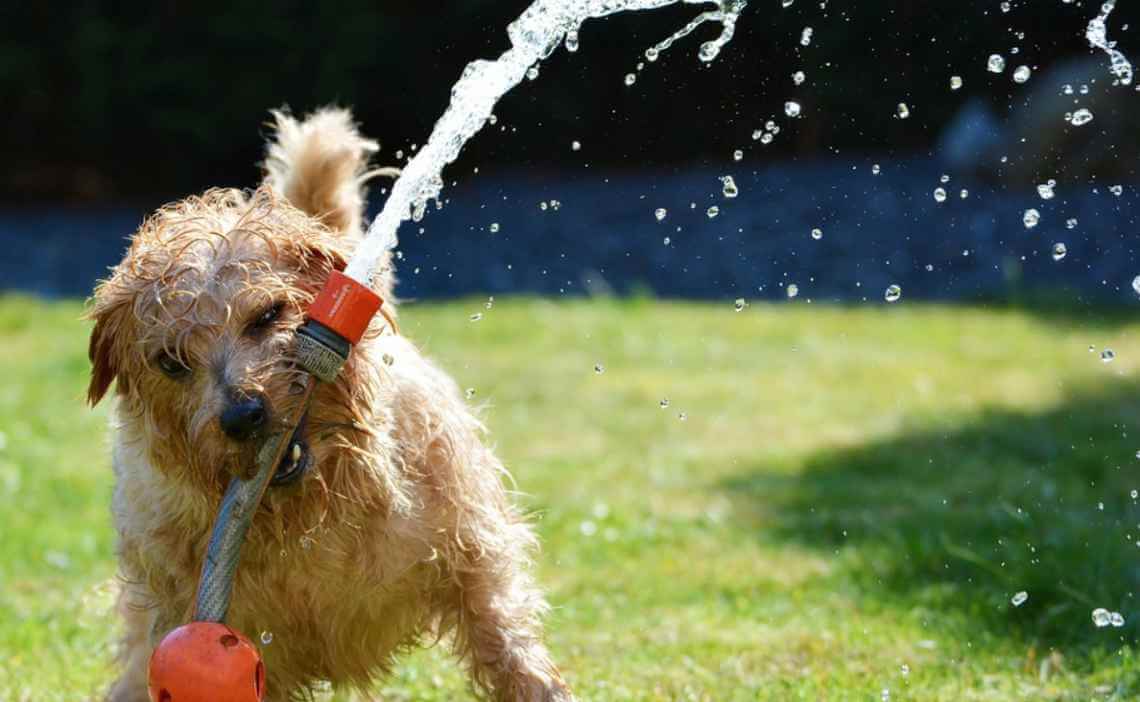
pixel 195 326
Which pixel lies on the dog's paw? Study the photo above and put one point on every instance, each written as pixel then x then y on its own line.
pixel 127 693
pixel 539 688
pixel 558 692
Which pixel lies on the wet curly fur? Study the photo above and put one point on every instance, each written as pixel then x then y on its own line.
pixel 400 532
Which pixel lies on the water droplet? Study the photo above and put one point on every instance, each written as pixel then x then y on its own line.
pixel 651 54
pixel 963 193
pixel 940 195
pixel 1071 223
pixel 476 317
pixel 1136 284
pixel 1116 619
pixel 1045 190
pixel 575 146
pixel 494 227
pixel 1116 190
pixel 1019 598
pixel 666 241
pixel 1059 251
pixel 660 213
pixel 903 111
pixel 955 82
pixel 793 290
pixel 766 138
pixel 712 211
pixel 805 36
pixel 1004 7
pixel 1031 218
pixel 798 77
pixel 876 169
pixel 737 155
pixel 817 233
pixel 683 416
pixel 885 695
pixel 740 304
pixel 1101 617
pixel 792 108
pixel 266 637
pixel 469 393
pixel 588 528
pixel 1021 74
pixel 995 63
pixel 1107 356
pixel 665 403
pixel 1134 494
pixel 729 190
pixel 904 669
pixel 531 74
pixel 599 368
pixel 630 78
pixel 709 51
pixel 1081 117
pixel 572 40
pixel 893 293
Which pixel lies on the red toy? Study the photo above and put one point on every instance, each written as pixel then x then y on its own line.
pixel 206 662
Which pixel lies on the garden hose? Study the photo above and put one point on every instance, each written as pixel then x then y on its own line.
pixel 206 660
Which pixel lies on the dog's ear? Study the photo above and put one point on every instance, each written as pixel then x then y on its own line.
pixel 103 347
pixel 323 257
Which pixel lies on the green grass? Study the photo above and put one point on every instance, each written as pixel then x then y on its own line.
pixel 854 490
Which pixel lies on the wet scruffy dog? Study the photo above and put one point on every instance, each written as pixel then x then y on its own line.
pixel 390 524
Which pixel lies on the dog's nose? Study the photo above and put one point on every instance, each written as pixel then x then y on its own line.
pixel 243 416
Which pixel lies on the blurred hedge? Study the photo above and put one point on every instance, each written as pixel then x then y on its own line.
pixel 142 99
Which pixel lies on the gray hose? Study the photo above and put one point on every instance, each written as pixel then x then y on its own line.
pixel 234 516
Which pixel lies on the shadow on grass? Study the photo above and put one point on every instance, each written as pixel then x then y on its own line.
pixel 952 523
pixel 1065 306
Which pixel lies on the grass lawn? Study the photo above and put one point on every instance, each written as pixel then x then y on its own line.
pixel 836 501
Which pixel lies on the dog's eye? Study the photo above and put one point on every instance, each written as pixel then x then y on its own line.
pixel 267 317
pixel 171 366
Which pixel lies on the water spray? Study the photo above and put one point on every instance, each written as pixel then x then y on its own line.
pixel 205 660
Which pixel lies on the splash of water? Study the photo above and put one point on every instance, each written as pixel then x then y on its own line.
pixel 1097 34
pixel 534 35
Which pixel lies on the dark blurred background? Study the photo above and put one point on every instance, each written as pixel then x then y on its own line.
pixel 114 108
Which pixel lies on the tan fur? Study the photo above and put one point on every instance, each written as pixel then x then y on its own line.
pixel 401 533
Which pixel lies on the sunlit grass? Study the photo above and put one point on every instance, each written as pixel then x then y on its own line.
pixel 851 491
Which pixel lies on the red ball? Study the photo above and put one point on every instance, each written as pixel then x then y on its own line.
pixel 206 662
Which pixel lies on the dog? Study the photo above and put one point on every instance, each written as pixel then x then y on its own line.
pixel 391 526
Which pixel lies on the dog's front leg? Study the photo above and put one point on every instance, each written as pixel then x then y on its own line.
pixel 139 620
pixel 500 632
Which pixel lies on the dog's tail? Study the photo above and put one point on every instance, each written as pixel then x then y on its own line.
pixel 320 165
